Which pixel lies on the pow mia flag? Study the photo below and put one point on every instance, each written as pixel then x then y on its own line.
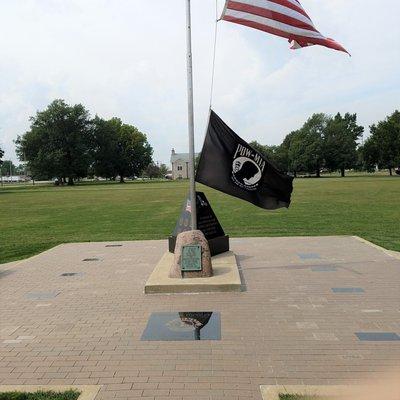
pixel 227 163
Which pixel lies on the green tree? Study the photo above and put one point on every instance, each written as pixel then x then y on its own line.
pixel 306 151
pixel 361 164
pixel 340 142
pixel 284 154
pixel 58 142
pixel 20 169
pixel 8 168
pixel 271 153
pixel 383 146
pixel 153 171
pixel 119 149
pixel 164 170
pixel 368 156
pixel 262 149
pixel 105 146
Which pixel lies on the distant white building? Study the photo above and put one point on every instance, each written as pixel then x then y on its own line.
pixel 180 165
pixel 14 178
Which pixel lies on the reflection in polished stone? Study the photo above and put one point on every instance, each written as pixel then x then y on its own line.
pixel 309 256
pixel 348 290
pixel 183 326
pixel 41 295
pixel 378 336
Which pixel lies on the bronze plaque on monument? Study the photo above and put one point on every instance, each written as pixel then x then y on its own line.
pixel 191 258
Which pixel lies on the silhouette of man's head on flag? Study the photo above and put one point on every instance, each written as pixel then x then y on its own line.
pixel 246 172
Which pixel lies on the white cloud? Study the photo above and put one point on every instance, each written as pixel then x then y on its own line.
pixel 127 58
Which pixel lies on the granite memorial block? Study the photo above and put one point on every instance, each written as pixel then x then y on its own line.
pixel 207 222
pixel 192 257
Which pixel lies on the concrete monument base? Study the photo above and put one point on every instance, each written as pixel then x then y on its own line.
pixel 226 277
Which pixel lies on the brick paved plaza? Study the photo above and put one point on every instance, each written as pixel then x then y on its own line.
pixel 312 311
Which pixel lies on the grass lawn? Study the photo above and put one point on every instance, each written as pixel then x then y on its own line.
pixel 68 395
pixel 297 397
pixel 35 218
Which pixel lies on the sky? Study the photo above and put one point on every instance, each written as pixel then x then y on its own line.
pixel 127 58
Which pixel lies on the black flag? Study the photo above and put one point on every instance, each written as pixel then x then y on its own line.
pixel 227 163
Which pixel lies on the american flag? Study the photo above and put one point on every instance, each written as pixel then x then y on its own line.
pixel 285 18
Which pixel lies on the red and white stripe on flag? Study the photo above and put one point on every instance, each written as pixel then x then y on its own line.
pixel 285 18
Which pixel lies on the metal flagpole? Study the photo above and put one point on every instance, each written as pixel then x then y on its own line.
pixel 191 117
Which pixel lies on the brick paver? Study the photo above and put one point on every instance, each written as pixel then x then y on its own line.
pixel 287 327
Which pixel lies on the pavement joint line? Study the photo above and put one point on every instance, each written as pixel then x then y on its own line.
pixel 326 268
pixel 6 272
pixel 329 337
pixel 12 341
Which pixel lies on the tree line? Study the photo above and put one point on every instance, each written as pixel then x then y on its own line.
pixel 326 143
pixel 64 142
pixel 7 167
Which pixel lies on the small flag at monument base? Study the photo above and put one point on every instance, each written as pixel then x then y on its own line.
pixel 229 164
pixel 188 205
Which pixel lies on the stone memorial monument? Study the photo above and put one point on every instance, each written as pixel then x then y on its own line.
pixel 207 223
pixel 192 257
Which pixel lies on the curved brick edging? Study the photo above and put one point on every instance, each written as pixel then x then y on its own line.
pixel 391 253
